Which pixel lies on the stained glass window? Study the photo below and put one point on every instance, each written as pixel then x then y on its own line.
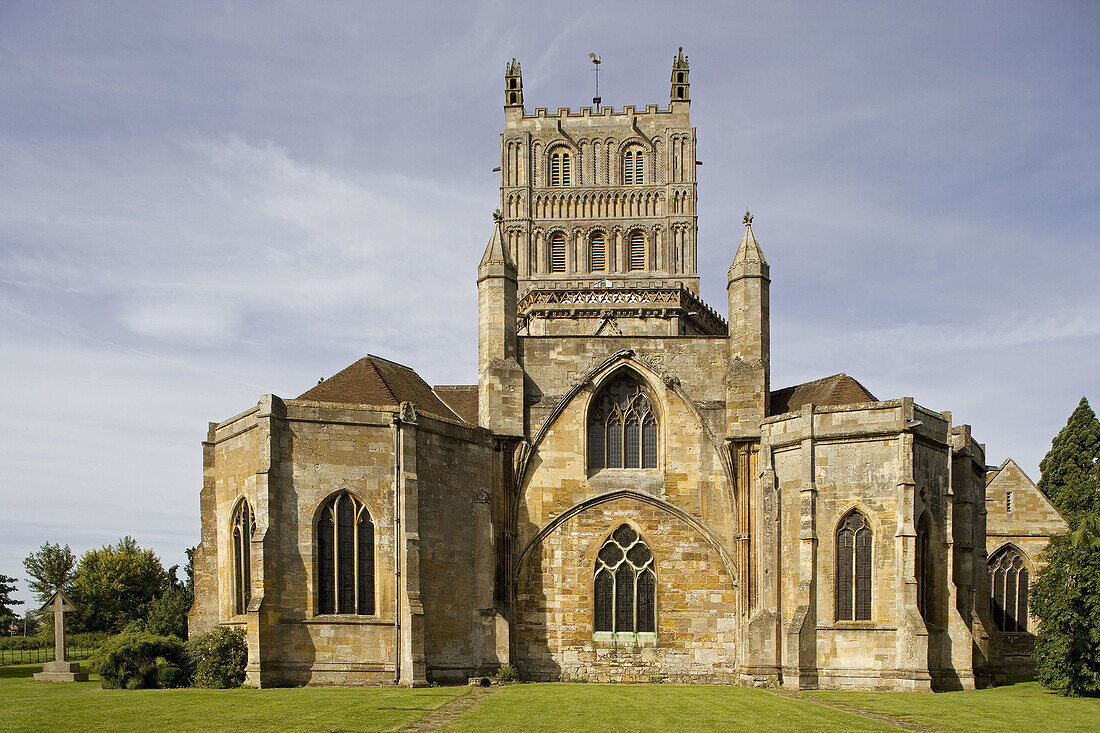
pixel 244 525
pixel 345 557
pixel 853 569
pixel 625 584
pixel 622 427
pixel 1008 583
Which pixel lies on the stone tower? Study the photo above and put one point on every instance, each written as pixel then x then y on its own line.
pixel 749 338
pixel 500 378
pixel 599 216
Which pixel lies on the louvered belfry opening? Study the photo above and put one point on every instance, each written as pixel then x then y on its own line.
pixel 625 585
pixel 633 167
pixel 597 252
pixel 1008 583
pixel 622 427
pixel 853 569
pixel 637 250
pixel 345 557
pixel 557 252
pixel 244 526
pixel 560 168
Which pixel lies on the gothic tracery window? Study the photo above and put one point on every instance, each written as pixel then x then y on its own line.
pixel 244 526
pixel 345 557
pixel 853 569
pixel 1008 583
pixel 622 427
pixel 625 585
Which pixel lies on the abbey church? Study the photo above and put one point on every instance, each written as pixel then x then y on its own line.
pixel 622 496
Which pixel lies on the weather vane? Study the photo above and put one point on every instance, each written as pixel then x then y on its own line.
pixel 596 68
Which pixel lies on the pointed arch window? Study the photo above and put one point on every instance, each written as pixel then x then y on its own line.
pixel 597 252
pixel 924 571
pixel 557 252
pixel 1008 583
pixel 633 167
pixel 622 427
pixel 560 167
pixel 244 526
pixel 625 585
pixel 853 568
pixel 345 557
pixel 636 254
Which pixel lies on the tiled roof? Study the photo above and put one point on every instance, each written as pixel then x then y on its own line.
pixel 839 389
pixel 376 381
pixel 462 398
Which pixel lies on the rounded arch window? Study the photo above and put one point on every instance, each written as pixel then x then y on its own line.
pixel 597 252
pixel 622 426
pixel 1008 584
pixel 557 252
pixel 634 166
pixel 625 585
pixel 244 526
pixel 345 557
pixel 561 167
pixel 636 253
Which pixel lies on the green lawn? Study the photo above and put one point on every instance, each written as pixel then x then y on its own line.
pixel 564 708
pixel 1024 706
pixel 553 708
pixel 26 705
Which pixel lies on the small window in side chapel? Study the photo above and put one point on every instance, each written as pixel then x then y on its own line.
pixel 244 526
pixel 1008 584
pixel 345 557
pixel 853 569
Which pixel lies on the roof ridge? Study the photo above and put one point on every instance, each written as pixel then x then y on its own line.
pixel 369 358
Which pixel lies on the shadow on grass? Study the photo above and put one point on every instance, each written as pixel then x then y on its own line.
pixel 17 671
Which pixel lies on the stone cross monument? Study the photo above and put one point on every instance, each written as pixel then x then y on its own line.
pixel 59 670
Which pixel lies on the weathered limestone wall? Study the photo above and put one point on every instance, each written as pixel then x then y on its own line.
pixel 696 639
pixel 454 468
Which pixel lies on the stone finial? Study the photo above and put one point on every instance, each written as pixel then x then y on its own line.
pixel 681 61
pixel 497 251
pixel 497 216
pixel 749 260
pixel 747 219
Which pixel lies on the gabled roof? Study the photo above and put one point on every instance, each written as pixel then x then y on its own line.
pixel 376 381
pixel 839 389
pixel 462 398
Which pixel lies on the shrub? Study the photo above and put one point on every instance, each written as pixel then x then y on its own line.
pixel 506 675
pixel 138 660
pixel 219 657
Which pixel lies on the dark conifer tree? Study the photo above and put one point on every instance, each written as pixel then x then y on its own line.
pixel 1070 469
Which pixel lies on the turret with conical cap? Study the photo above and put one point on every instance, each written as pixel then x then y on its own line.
pixel 500 378
pixel 749 337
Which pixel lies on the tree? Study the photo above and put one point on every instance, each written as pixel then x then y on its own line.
pixel 7 587
pixel 1070 469
pixel 168 614
pixel 49 570
pixel 115 585
pixel 1066 601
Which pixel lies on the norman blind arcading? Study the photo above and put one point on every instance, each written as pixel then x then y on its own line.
pixel 345 557
pixel 853 569
pixel 244 526
pixel 622 427
pixel 625 585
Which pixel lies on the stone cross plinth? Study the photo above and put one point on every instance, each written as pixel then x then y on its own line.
pixel 59 670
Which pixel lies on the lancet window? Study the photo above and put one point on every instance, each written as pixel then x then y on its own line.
pixel 625 585
pixel 622 427
pixel 345 557
pixel 853 569
pixel 924 569
pixel 1008 582
pixel 244 526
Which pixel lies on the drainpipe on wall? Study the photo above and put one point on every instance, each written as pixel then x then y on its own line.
pixel 396 549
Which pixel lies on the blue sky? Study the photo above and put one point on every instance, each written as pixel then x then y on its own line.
pixel 204 202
